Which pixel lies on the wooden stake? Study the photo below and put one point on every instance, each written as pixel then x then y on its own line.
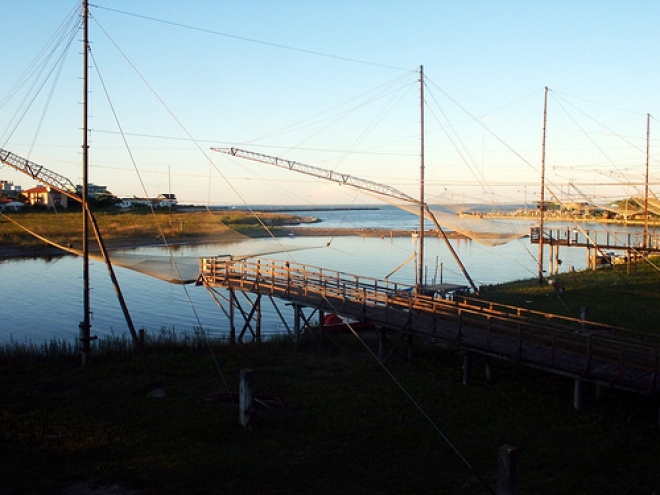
pixel 507 466
pixel 245 398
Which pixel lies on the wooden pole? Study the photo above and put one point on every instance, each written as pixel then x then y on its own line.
pixel 542 196
pixel 577 394
pixel 85 325
pixel 232 313
pixel 467 368
pixel 258 318
pixel 422 212
pixel 296 323
pixel 646 183
pixel 489 369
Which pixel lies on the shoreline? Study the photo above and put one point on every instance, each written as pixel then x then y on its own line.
pixel 8 252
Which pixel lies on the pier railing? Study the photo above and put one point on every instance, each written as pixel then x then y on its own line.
pixel 619 357
pixel 604 239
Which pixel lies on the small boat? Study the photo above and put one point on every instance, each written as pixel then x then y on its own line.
pixel 336 323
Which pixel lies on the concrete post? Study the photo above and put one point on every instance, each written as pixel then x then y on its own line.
pixel 507 466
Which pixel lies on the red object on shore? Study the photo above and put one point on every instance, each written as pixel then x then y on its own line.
pixel 334 323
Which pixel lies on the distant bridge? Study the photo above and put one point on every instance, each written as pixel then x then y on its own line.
pixel 584 351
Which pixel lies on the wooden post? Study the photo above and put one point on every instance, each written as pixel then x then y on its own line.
pixel 296 323
pixel 467 368
pixel 257 326
pixel 232 325
pixel 577 394
pixel 489 369
pixel 382 345
pixel 599 392
pixel 245 398
pixel 507 466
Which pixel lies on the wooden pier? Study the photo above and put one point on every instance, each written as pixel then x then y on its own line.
pixel 584 351
pixel 602 246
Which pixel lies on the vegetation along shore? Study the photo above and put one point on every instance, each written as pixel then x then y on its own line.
pixel 121 229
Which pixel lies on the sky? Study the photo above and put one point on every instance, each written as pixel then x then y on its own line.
pixel 336 85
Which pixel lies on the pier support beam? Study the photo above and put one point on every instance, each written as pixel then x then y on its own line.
pixel 489 369
pixel 577 394
pixel 232 313
pixel 599 392
pixel 257 302
pixel 297 309
pixel 467 368
pixel 382 345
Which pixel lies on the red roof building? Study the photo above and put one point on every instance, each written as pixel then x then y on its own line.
pixel 43 195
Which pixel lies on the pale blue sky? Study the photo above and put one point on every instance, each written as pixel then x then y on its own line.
pixel 343 95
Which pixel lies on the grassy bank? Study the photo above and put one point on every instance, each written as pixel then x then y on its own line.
pixel 329 420
pixel 138 226
pixel 610 294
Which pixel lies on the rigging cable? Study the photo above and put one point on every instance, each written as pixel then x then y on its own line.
pixel 37 68
pixel 187 133
pixel 599 148
pixel 160 230
pixel 250 40
pixel 412 399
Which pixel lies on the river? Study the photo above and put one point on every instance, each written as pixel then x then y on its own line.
pixel 42 298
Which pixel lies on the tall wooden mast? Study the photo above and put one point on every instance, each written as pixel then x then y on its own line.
pixel 646 182
pixel 542 195
pixel 422 205
pixel 85 335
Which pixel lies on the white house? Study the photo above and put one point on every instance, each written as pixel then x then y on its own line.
pixel 45 196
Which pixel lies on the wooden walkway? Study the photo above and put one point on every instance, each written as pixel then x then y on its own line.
pixel 585 351
pixel 601 239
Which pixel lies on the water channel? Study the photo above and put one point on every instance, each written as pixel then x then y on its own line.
pixel 42 298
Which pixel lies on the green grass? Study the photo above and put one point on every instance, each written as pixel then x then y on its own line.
pixel 610 294
pixel 342 424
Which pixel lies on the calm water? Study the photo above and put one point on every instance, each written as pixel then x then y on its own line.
pixel 42 298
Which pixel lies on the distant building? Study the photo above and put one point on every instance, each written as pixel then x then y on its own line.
pixel 45 196
pixel 8 189
pixel 134 202
pixel 165 200
pixel 93 191
pixel 162 201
